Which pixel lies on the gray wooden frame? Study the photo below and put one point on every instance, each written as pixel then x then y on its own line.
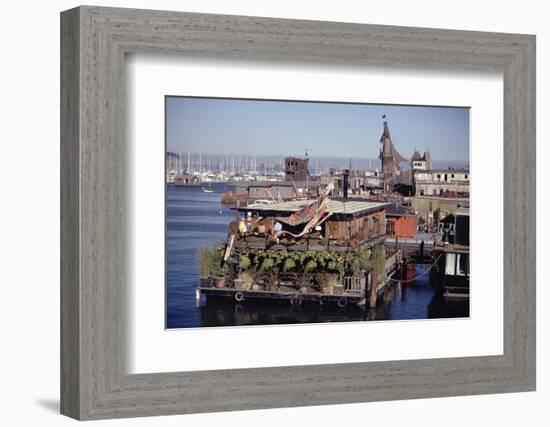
pixel 94 382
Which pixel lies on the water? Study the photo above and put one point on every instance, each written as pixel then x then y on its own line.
pixel 196 219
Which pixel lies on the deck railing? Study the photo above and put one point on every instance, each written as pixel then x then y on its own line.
pixel 354 283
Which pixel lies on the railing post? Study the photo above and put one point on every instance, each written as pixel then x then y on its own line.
pixel 373 288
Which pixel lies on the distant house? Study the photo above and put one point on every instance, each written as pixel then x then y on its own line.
pixel 401 222
pixel 276 191
pixel 442 182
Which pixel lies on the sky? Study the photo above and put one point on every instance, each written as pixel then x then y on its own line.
pixel 260 127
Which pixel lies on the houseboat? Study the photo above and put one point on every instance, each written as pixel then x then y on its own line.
pixel 324 250
pixel 187 180
pixel 452 255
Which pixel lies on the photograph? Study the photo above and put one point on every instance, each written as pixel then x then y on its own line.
pixel 294 212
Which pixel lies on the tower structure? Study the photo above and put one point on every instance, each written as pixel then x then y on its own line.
pixel 296 169
pixel 390 159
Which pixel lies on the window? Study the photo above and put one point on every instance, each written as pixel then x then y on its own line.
pixel 438 176
pixel 450 264
pixel 452 175
pixel 462 265
pixel 466 176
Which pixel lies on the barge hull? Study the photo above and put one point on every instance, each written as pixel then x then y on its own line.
pixel 317 297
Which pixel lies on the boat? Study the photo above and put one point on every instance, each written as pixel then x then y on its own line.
pixel 208 189
pixel 186 180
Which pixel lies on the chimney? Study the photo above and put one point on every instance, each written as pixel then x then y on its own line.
pixel 345 173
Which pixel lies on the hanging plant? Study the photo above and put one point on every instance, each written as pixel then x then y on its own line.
pixel 245 262
pixel 267 264
pixel 310 266
pixel 289 264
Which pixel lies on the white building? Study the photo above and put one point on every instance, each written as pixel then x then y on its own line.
pixel 442 182
pixel 421 162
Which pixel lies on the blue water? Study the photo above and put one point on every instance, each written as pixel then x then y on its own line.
pixel 195 219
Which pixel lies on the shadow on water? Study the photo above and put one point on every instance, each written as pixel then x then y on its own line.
pixel 224 312
pixel 196 219
pixel 398 302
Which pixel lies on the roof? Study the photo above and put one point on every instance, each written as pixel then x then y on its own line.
pixel 416 156
pixel 397 210
pixel 264 184
pixel 462 170
pixel 386 132
pixel 339 207
pixel 313 182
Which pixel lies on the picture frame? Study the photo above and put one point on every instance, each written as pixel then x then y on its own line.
pixel 94 380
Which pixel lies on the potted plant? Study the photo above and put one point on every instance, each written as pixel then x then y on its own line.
pixel 217 272
pixel 204 259
pixel 328 282
pixel 210 266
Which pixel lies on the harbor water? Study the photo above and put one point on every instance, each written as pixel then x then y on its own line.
pixel 195 218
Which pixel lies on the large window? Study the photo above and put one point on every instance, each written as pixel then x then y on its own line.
pixel 463 265
pixel 457 264
pixel 450 264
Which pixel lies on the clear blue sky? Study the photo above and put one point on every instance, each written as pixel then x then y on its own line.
pixel 256 127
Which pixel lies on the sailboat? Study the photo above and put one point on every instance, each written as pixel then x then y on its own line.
pixel 208 189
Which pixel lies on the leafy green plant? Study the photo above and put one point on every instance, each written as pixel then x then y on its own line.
pixel 267 264
pixel 351 262
pixel 327 282
pixel 248 279
pixel 204 258
pixel 245 262
pixel 310 266
pixel 210 262
pixel 289 264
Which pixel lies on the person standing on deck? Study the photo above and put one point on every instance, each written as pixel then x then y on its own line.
pixel 277 228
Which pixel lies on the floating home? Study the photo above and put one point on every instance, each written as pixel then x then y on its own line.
pixel 324 251
pixel 247 192
pixel 452 255
pixel 297 183
pixel 355 221
pixel 186 180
